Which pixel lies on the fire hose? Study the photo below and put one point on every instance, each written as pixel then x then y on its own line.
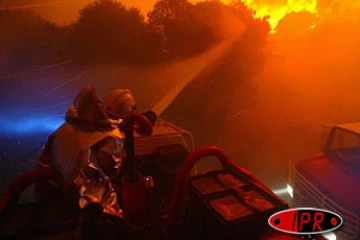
pixel 133 184
pixel 143 126
pixel 12 195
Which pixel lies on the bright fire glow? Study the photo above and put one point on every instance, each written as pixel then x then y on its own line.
pixel 277 10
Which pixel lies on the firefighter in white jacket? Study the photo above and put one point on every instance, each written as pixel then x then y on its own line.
pixel 87 150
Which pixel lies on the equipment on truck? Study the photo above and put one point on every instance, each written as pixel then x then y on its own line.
pixel 167 200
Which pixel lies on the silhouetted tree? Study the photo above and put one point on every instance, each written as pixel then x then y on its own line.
pixel 257 29
pixel 166 12
pixel 225 88
pixel 183 30
pixel 28 39
pixel 170 19
pixel 188 29
pixel 107 30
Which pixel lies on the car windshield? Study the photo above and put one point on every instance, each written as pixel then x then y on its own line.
pixel 346 144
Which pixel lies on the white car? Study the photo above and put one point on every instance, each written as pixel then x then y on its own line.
pixel 331 179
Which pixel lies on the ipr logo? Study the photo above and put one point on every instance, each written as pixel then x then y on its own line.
pixel 305 221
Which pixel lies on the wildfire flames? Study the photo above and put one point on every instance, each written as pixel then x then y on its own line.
pixel 276 10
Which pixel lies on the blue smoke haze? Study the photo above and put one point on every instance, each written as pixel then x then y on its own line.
pixel 34 124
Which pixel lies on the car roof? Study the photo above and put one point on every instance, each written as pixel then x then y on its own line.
pixel 353 127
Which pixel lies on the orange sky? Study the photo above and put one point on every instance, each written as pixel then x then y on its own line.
pixel 66 11
pixel 144 5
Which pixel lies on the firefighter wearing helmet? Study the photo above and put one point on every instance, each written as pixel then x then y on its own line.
pixel 119 103
pixel 87 150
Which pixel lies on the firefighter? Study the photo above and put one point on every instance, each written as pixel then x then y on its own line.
pixel 119 103
pixel 86 151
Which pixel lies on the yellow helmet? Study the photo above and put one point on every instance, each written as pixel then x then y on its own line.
pixel 119 103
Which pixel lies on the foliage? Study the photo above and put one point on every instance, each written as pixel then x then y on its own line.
pixel 184 31
pixel 106 30
pixel 188 29
pixel 28 39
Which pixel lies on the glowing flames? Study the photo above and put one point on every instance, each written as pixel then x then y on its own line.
pixel 277 10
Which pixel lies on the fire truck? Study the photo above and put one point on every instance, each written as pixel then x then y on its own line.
pixel 330 179
pixel 176 203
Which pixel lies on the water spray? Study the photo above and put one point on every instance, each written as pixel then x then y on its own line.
pixel 204 61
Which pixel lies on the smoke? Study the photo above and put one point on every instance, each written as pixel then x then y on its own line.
pixel 318 66
pixel 47 92
pixel 41 123
pixel 232 30
pixel 199 64
pixel 311 78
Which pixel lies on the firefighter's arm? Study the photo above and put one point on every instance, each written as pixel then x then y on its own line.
pixel 108 154
pixel 151 116
pixel 95 188
pixel 143 122
pixel 94 180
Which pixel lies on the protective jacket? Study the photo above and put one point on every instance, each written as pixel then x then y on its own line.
pixel 86 151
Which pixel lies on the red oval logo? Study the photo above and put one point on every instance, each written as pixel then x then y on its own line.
pixel 305 221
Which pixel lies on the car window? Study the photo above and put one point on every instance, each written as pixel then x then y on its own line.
pixel 344 139
pixel 346 146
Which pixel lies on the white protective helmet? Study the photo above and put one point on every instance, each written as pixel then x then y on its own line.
pixel 119 103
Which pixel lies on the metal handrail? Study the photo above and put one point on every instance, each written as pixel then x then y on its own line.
pixel 349 231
